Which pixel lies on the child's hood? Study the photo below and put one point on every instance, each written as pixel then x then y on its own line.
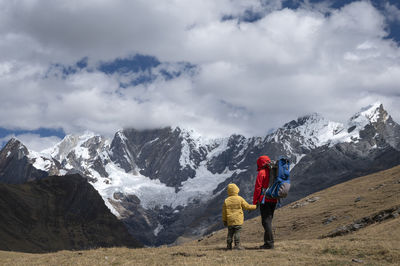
pixel 233 190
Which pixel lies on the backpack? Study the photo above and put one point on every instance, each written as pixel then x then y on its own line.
pixel 279 182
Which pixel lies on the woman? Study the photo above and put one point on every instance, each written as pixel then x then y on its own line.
pixel 267 209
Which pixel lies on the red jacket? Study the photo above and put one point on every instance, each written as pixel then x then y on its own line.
pixel 262 179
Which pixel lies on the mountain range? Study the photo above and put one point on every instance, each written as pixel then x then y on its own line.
pixel 169 183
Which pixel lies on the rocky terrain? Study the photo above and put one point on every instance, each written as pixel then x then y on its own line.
pixel 169 183
pixel 57 213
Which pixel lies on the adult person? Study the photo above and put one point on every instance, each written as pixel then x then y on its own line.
pixel 267 209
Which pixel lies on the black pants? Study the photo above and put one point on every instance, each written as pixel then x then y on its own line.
pixel 233 234
pixel 267 213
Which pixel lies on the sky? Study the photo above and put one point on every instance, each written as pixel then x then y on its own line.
pixel 218 67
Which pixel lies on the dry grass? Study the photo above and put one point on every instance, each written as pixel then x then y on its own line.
pixel 288 252
pixel 297 232
pixel 346 202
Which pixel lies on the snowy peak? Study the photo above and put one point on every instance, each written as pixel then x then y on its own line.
pixel 369 122
pixel 80 144
pixel 304 121
pixel 16 163
pixel 317 129
pixel 15 150
pixel 197 148
pixel 14 147
pixel 75 153
pixel 371 114
pixel 373 123
pixel 313 130
pixel 309 131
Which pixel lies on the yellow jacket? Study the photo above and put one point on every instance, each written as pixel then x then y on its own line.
pixel 232 211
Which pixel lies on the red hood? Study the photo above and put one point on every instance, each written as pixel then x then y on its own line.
pixel 262 161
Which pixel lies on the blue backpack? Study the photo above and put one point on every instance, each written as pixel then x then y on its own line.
pixel 279 180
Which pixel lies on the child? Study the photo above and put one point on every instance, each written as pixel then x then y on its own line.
pixel 232 215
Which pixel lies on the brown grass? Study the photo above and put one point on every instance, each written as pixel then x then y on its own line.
pixel 287 252
pixel 347 202
pixel 296 232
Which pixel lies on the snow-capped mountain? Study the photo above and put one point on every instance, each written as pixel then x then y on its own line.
pixel 312 131
pixel 167 183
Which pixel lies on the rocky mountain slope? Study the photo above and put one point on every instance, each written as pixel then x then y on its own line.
pixel 170 182
pixel 57 213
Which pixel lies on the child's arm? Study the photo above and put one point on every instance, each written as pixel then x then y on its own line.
pixel 247 206
pixel 224 219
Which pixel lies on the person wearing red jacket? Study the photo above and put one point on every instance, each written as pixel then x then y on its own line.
pixel 267 209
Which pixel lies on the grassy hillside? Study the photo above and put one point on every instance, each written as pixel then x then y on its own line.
pixel 324 211
pixel 368 205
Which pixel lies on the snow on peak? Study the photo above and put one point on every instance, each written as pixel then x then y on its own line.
pixel 368 114
pixel 192 141
pixel 315 130
pixel 40 161
pixel 188 144
pixel 304 121
pixel 120 134
pixel 371 107
pixel 311 130
pixel 321 131
pixel 70 143
pixel 195 136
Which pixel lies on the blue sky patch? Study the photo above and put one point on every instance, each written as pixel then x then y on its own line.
pixel 249 16
pixel 131 64
pixel 143 69
pixel 42 132
pixel 66 70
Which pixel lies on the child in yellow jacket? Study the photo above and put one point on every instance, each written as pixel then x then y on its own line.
pixel 232 215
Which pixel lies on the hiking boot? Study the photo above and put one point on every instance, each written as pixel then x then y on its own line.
pixel 229 246
pixel 266 246
pixel 239 247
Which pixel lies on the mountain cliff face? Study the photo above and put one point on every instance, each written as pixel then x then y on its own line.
pixel 57 213
pixel 15 165
pixel 171 182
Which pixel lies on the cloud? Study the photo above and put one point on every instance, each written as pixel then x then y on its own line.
pixel 392 12
pixel 109 29
pixel 33 142
pixel 244 77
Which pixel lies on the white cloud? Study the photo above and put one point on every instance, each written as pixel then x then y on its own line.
pixel 250 76
pixel 108 29
pixel 392 12
pixel 33 141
